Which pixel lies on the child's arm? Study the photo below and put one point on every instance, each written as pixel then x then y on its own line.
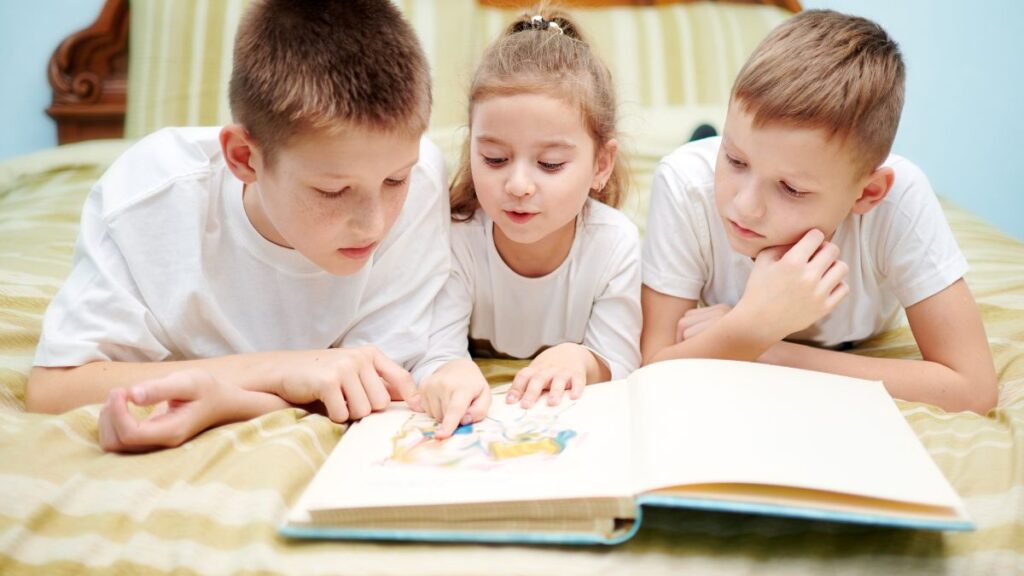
pixel 662 314
pixel 185 403
pixel 456 393
pixel 788 290
pixel 350 383
pixel 956 371
pixel 299 377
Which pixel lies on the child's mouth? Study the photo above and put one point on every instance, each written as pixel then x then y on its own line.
pixel 358 253
pixel 744 232
pixel 519 217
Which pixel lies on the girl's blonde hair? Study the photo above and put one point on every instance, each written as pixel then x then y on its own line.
pixel 544 52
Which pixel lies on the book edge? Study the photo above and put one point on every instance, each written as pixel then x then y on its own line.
pixel 324 533
pixel 963 524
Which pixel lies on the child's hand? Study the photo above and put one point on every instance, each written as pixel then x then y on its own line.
pixel 187 403
pixel 457 393
pixel 789 290
pixel 697 320
pixel 351 382
pixel 555 369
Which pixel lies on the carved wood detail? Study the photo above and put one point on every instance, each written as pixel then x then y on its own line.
pixel 89 76
pixel 89 70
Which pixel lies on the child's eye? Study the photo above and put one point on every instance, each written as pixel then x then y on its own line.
pixel 551 166
pixel 734 162
pixel 791 191
pixel 494 161
pixel 330 193
pixel 395 182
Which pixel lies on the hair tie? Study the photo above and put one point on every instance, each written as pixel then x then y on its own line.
pixel 539 23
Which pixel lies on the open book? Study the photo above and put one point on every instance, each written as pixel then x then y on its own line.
pixel 702 434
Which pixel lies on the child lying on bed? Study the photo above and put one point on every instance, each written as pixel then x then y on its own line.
pixel 798 226
pixel 544 266
pixel 290 257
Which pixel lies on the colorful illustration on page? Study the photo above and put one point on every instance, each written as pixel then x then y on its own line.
pixel 517 435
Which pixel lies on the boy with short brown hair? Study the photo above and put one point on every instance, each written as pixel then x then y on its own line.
pixel 289 257
pixel 797 227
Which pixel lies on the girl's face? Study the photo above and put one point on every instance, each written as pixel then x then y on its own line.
pixel 533 165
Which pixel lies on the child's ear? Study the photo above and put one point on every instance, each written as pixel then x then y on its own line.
pixel 877 186
pixel 605 164
pixel 240 152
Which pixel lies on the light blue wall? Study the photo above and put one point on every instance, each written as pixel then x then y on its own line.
pixel 963 120
pixel 962 123
pixel 29 33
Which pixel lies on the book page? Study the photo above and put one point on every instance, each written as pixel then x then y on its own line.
pixel 722 422
pixel 575 450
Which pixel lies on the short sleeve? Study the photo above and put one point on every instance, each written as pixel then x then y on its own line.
pixel 613 332
pixel 916 253
pixel 449 327
pixel 676 248
pixel 99 314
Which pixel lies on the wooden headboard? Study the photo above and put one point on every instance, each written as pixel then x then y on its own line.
pixel 89 76
pixel 89 70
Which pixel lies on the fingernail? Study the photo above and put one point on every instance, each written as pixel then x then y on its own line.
pixel 138 394
pixel 466 419
pixel 512 397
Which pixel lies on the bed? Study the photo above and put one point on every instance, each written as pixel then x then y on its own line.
pixel 213 505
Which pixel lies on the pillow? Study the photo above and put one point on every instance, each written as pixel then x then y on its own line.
pixel 650 133
pixel 662 57
pixel 179 63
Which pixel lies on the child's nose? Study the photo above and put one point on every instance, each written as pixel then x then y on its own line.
pixel 369 219
pixel 748 202
pixel 519 183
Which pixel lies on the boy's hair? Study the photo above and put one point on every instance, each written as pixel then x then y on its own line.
pixel 323 64
pixel 823 69
pixel 532 56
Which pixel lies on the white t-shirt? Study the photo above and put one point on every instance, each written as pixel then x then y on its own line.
pixel 592 298
pixel 168 266
pixel 899 253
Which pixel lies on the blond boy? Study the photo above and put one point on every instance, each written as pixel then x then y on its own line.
pixel 802 235
pixel 289 257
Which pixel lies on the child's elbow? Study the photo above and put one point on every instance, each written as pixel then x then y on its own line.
pixel 983 396
pixel 39 395
pixel 650 358
pixel 34 400
pixel 650 353
pixel 986 398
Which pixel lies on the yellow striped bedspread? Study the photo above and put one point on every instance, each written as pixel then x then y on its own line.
pixel 213 505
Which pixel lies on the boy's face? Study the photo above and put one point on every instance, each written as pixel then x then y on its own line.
pixel 774 183
pixel 333 196
pixel 533 164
